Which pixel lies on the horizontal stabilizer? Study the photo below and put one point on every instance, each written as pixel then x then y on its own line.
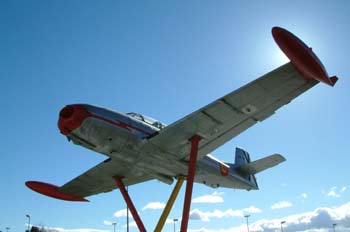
pixel 261 164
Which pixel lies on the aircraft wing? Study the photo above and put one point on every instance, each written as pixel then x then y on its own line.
pixel 230 115
pixel 100 179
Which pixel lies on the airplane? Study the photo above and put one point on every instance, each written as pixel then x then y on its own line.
pixel 140 148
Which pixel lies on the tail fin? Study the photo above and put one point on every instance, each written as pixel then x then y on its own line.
pixel 242 157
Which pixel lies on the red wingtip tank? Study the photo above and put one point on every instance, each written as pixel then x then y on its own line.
pixel 301 56
pixel 52 191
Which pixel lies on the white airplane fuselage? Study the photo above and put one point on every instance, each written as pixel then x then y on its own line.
pixel 122 136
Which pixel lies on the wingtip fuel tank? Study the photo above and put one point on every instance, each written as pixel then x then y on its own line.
pixel 52 191
pixel 302 56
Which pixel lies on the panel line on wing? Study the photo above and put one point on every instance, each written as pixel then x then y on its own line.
pixel 212 117
pixel 235 109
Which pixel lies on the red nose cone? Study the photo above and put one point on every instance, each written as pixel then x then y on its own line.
pixel 67 111
pixel 71 117
pixel 301 56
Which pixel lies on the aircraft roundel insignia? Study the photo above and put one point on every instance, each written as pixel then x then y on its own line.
pixel 223 170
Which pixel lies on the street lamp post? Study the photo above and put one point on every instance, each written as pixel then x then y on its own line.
pixel 28 216
pixel 247 216
pixel 175 220
pixel 282 222
pixel 334 225
pixel 114 224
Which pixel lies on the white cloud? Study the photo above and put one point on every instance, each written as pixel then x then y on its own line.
pixel 319 220
pixel 197 214
pixel 131 224
pixel 120 213
pixel 213 198
pixel 304 195
pixel 281 205
pixel 252 209
pixel 107 223
pixel 333 192
pixel 154 205
pixel 343 189
pixel 170 221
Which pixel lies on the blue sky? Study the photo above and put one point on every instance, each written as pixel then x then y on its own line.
pixel 166 59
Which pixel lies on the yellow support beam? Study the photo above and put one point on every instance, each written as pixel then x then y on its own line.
pixel 169 204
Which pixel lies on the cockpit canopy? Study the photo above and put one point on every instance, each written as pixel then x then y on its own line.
pixel 147 120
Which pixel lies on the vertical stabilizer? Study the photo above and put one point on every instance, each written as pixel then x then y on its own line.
pixel 242 157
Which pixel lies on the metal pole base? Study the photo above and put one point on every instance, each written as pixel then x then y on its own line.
pixel 190 178
pixel 121 186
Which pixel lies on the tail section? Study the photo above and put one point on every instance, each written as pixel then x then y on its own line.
pixel 248 169
pixel 242 159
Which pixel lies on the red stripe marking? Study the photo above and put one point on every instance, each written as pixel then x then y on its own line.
pixel 120 124
pixel 72 116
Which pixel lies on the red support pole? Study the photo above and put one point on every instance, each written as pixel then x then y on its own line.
pixel 128 201
pixel 190 178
